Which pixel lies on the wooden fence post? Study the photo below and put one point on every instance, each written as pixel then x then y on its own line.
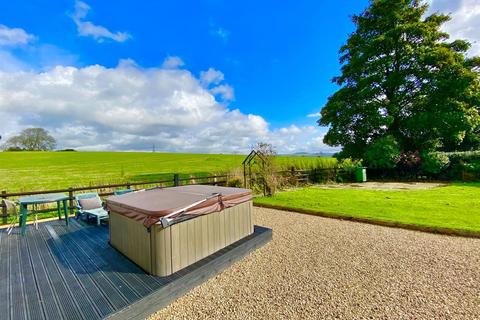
pixel 4 208
pixel 176 181
pixel 70 198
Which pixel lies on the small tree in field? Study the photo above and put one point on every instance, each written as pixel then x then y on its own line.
pixel 32 139
pixel 403 80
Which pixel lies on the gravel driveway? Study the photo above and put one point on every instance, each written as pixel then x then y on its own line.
pixel 316 268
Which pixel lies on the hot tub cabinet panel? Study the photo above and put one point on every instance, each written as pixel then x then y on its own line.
pixel 163 251
pixel 132 239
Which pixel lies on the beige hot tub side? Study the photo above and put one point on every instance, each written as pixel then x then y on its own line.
pixel 166 230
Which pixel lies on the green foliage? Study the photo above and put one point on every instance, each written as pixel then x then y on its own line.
pixel 401 78
pixel 267 169
pixel 347 168
pixel 235 183
pixel 32 139
pixel 463 165
pixel 349 165
pixel 384 153
pixel 453 207
pixel 465 156
pixel 434 163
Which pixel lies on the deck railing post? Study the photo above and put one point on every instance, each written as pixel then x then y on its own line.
pixel 70 200
pixel 176 181
pixel 4 208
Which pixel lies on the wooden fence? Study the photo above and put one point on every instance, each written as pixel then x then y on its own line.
pixel 291 177
pixel 108 189
pixel 305 176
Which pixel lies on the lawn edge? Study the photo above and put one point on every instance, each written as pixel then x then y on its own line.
pixel 391 224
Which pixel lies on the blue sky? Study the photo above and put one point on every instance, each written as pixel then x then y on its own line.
pixel 267 65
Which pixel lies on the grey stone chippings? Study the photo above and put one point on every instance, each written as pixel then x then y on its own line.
pixel 318 268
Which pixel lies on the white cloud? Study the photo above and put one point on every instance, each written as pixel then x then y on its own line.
pixel 225 91
pixel 211 76
pixel 313 115
pixel 172 62
pixel 89 29
pixel 465 22
pixel 14 36
pixel 130 108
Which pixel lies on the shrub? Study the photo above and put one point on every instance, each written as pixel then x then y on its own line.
pixel 409 159
pixel 347 167
pixel 235 183
pixel 465 156
pixel 434 163
pixel 384 153
pixel 267 169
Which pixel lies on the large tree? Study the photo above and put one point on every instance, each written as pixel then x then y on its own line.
pixel 402 79
pixel 32 139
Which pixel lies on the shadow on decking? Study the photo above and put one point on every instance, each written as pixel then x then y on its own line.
pixel 86 248
pixel 59 272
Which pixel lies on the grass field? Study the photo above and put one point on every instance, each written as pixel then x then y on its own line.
pixel 454 207
pixel 25 171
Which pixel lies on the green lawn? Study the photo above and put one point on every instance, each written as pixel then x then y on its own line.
pixel 24 171
pixel 455 207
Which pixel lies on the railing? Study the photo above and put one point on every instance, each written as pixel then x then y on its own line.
pixel 305 176
pixel 290 177
pixel 108 189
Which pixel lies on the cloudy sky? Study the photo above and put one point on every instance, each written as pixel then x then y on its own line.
pixel 187 76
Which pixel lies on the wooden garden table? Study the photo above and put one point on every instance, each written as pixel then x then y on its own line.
pixel 59 198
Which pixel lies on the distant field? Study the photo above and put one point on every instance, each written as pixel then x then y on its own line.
pixel 22 171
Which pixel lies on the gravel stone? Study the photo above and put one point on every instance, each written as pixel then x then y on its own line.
pixel 319 268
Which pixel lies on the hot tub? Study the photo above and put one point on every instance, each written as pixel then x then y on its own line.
pixel 166 230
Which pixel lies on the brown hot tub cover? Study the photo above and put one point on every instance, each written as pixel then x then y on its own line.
pixel 150 205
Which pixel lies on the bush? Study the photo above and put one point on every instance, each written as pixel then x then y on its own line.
pixel 434 163
pixel 347 168
pixel 349 165
pixel 235 183
pixel 266 170
pixel 463 165
pixel 384 153
pixel 13 149
pixel 462 156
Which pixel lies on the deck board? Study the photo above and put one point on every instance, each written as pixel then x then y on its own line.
pixel 59 272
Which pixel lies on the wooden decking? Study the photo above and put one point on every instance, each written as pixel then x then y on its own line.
pixel 59 272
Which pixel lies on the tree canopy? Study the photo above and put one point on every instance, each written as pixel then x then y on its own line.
pixel 32 139
pixel 401 78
